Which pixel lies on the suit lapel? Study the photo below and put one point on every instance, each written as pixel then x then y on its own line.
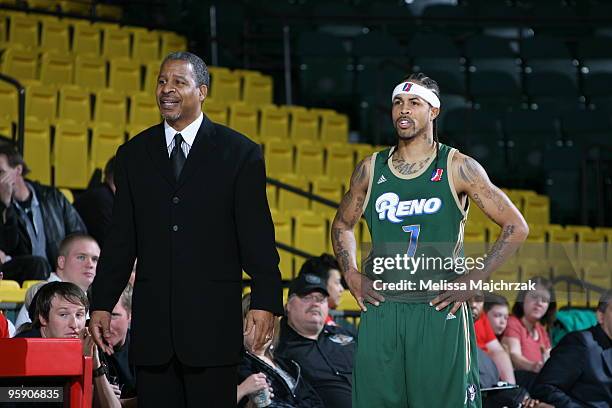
pixel 202 147
pixel 156 146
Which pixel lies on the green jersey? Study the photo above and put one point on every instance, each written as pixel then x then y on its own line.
pixel 416 223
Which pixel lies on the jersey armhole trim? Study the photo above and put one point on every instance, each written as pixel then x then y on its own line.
pixel 451 184
pixel 372 167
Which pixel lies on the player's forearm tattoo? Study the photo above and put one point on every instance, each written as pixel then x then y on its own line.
pixel 406 168
pixel 470 173
pixel 502 247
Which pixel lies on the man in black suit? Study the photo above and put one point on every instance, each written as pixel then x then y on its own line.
pixel 579 371
pixel 95 206
pixel 191 205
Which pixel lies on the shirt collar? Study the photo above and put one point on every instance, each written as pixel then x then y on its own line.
pixel 189 133
pixel 34 202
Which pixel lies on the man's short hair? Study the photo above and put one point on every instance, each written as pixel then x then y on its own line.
pixel 320 266
pixel 69 240
pixel 41 304
pixel 13 157
pixel 200 70
pixel 493 299
pixel 126 298
pixel 604 300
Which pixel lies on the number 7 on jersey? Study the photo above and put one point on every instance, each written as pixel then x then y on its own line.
pixel 414 231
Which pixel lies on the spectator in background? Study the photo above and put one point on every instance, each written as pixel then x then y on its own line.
pixel 76 263
pixel 324 352
pixel 34 218
pixel 526 337
pixel 121 370
pixel 261 368
pixel 497 309
pixel 326 267
pixel 579 371
pixel 487 342
pixel 95 206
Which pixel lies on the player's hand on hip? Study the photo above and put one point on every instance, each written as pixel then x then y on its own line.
pixel 362 289
pixel 262 322
pixel 457 297
pixel 99 328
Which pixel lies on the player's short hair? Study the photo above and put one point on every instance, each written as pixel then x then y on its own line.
pixel 604 300
pixel 41 303
pixel 200 70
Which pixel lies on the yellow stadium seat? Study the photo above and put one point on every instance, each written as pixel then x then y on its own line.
pixel 225 87
pixel 291 109
pixel 70 155
pixel 9 284
pixel 3 37
pixel 151 74
pixel 311 233
pixel 74 104
pixel 326 188
pixel 532 268
pixel 271 196
pixel 475 239
pixel 537 209
pixel 476 216
pixel 348 302
pixel 8 100
pixel 56 69
pixel 257 90
pixel 90 72
pixel 109 11
pixel 274 123
pixel 243 119
pixel 561 245
pixel 68 194
pixel 565 268
pixel 172 42
pixel 20 63
pixel 105 140
pixel 115 43
pixel 216 111
pixel 320 112
pixel 124 75
pixel 599 275
pixel 591 247
pixel 49 5
pixel 37 150
pixel 41 102
pixel 304 126
pixel 334 128
pixel 339 162
pixel 55 36
pixel 133 130
pixel 283 230
pixel 81 8
pixel 278 155
pixel 27 284
pixel 86 39
pixel 144 110
pixel 534 246
pixel 289 201
pixel 23 30
pixel 145 46
pixel 508 272
pixel 578 229
pixel 6 127
pixel 110 107
pixel 362 151
pixel 213 70
pixel 309 160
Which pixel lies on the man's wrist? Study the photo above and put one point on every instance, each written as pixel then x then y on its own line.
pixel 100 371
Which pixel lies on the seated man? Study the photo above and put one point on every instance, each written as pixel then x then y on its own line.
pixel 324 352
pixel 579 371
pixel 59 310
pixel 76 263
pixel 487 341
pixel 35 218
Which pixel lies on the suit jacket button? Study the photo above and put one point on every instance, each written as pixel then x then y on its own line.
pixel 175 200
pixel 175 228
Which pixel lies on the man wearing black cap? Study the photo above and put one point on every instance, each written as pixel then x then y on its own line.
pixel 324 352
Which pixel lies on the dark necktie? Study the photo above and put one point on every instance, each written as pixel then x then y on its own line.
pixel 177 156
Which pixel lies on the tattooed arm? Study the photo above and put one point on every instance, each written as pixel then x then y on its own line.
pixel 343 237
pixel 470 179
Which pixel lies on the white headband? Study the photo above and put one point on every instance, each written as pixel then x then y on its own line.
pixel 415 89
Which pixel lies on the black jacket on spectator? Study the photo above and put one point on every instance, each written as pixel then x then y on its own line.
pixel 95 206
pixel 59 219
pixel 578 373
pixel 303 396
pixel 327 363
pixel 122 368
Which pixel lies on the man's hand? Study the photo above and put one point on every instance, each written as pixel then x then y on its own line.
pixel 262 322
pixel 457 297
pixel 362 289
pixel 7 186
pixel 3 258
pixel 99 327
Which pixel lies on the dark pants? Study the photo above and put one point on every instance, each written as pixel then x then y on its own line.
pixel 26 267
pixel 177 385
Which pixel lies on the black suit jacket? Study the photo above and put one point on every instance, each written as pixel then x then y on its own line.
pixel 579 371
pixel 192 238
pixel 95 206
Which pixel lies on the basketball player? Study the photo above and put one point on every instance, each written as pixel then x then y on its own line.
pixel 416 348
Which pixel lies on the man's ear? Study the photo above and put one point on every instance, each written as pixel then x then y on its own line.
pixel 203 92
pixel 61 262
pixel 19 169
pixel 42 320
pixel 434 112
pixel 600 317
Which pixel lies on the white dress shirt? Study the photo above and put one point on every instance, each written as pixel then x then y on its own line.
pixel 189 135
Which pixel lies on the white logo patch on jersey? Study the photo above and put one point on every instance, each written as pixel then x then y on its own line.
pixel 390 207
pixel 382 179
